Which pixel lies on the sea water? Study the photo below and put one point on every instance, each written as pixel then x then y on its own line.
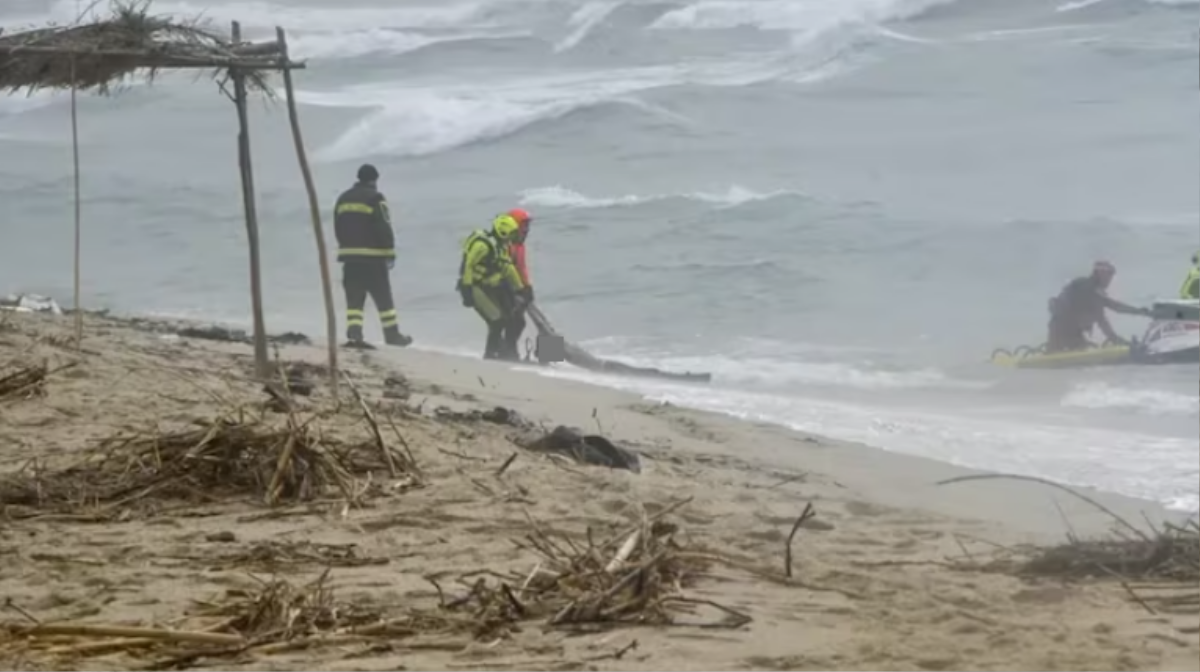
pixel 838 207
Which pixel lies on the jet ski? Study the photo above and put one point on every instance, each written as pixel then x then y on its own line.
pixel 1173 337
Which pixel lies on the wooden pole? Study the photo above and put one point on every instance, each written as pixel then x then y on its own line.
pixel 78 211
pixel 314 210
pixel 261 363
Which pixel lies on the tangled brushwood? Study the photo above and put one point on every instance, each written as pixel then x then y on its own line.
pixel 22 381
pixel 241 454
pixel 279 611
pixel 637 577
pixel 1172 553
pixel 274 616
pixel 632 579
pixel 1160 571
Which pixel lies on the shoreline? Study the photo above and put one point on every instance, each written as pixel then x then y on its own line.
pixel 778 433
pixel 775 426
pixel 887 576
pixel 1014 504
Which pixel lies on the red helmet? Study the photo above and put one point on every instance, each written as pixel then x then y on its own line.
pixel 522 216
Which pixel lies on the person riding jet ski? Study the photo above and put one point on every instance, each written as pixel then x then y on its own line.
pixel 1080 306
pixel 1190 289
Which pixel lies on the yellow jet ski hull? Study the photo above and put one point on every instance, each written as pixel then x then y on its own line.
pixel 1103 356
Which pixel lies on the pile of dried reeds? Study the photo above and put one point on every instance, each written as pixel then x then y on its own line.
pixel 22 381
pixel 1160 571
pixel 275 617
pixel 1159 567
pixel 634 578
pixel 240 454
pixel 1171 553
pixel 23 378
pixel 279 611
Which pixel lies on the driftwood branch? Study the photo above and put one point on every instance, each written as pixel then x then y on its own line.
pixel 86 630
pixel 804 517
pixel 314 211
pixel 370 418
pixel 1052 484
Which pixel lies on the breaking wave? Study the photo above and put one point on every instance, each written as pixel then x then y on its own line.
pixel 561 197
pixel 1097 395
pixel 411 120
pixel 768 364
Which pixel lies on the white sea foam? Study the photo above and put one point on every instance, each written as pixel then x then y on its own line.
pixel 1100 395
pixel 808 16
pixel 584 21
pixel 333 44
pixel 1150 467
pixel 412 120
pixel 560 197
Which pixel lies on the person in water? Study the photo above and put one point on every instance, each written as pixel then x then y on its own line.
pixel 1080 306
pixel 1190 289
pixel 489 282
pixel 362 225
pixel 516 248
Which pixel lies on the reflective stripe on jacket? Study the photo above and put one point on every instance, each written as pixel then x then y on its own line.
pixel 362 224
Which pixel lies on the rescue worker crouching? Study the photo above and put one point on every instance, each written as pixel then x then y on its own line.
pixel 489 282
pixel 367 249
pixel 1190 289
pixel 1080 306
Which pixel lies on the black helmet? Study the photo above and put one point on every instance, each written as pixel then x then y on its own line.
pixel 367 173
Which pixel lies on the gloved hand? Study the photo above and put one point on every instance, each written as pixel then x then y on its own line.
pixel 468 299
pixel 522 298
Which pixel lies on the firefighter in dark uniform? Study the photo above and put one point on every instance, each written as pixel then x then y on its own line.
pixel 367 250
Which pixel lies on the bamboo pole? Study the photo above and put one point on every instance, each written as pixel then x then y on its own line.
pixel 314 210
pixel 247 171
pixel 78 211
pixel 93 630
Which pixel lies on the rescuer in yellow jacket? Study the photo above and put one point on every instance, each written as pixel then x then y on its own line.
pixel 362 224
pixel 1191 284
pixel 489 282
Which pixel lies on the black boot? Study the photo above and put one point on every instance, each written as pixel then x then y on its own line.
pixel 495 342
pixel 508 352
pixel 354 339
pixel 392 336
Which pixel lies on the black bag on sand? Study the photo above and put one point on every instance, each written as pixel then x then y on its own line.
pixel 587 449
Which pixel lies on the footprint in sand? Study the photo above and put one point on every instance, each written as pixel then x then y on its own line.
pixel 1044 595
pixel 856 508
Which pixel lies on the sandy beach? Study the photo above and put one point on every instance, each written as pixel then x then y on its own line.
pixel 460 547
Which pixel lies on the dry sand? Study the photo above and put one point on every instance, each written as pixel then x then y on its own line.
pixel 887 575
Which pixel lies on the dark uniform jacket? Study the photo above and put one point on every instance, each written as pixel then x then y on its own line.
pixel 363 225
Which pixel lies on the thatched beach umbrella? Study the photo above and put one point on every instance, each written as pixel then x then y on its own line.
pixel 99 53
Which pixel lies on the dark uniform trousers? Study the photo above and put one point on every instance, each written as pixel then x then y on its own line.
pixel 497 306
pixel 368 277
pixel 512 333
